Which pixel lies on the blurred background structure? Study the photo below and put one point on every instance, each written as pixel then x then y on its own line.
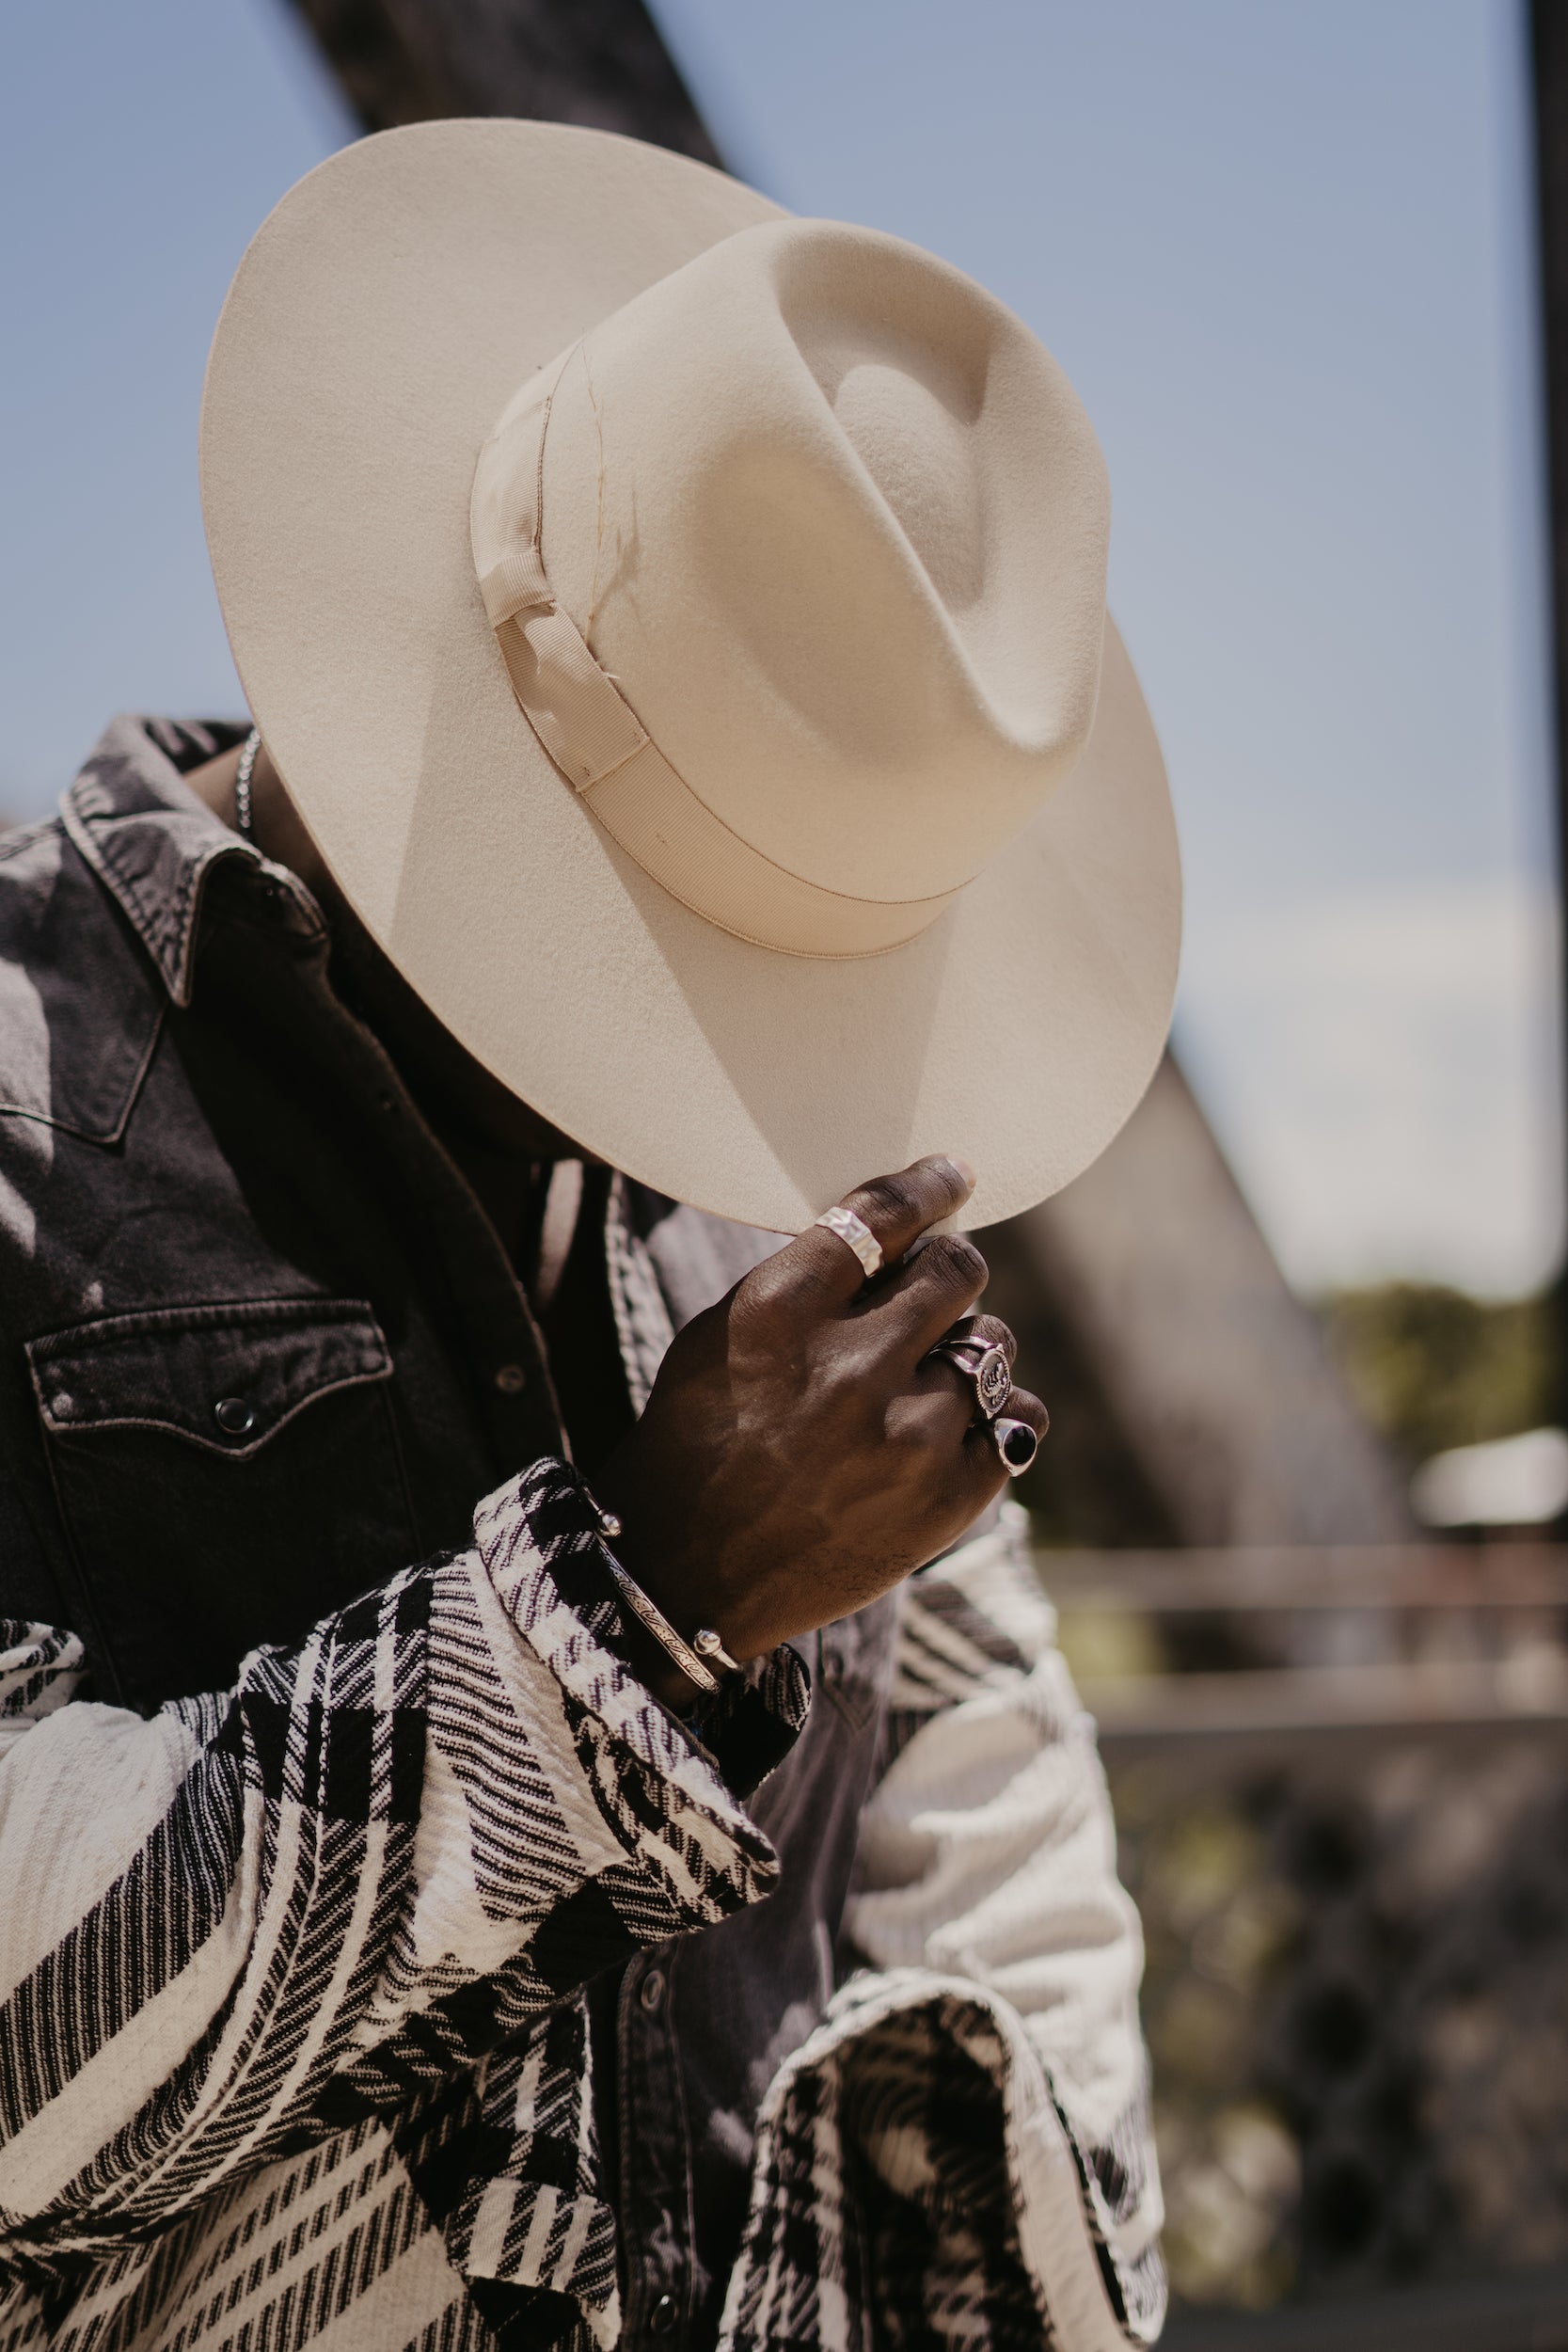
pixel 1309 266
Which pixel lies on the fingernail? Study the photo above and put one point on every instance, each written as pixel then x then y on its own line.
pixel 966 1175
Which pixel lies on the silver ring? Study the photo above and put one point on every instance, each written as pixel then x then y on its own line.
pixel 1017 1443
pixel 854 1229
pixel 985 1365
pixel 242 775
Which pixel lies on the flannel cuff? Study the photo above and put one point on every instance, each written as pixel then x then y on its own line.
pixel 746 1729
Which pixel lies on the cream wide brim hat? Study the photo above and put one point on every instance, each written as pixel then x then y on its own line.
pixel 382 320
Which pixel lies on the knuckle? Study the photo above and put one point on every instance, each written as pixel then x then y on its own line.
pixel 920 1426
pixel 1022 1404
pixel 811 1286
pixel 905 1446
pixel 924 1422
pixel 892 1198
pixel 954 1263
pixel 848 1388
pixel 949 1403
pixel 754 1306
pixel 769 1286
pixel 999 1334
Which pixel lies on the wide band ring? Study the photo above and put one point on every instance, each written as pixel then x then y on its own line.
pixel 1017 1443
pixel 985 1366
pixel 854 1229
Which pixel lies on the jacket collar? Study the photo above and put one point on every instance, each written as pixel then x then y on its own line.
pixel 152 843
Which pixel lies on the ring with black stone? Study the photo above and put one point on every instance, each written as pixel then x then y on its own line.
pixel 1017 1443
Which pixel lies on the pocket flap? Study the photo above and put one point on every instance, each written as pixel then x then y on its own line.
pixel 225 1376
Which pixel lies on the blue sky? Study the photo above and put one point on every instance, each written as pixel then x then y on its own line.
pixel 1283 251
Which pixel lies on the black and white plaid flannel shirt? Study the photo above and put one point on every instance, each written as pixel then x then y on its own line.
pixel 292 2045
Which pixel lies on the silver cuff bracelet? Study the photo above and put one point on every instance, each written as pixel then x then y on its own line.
pixel 704 1659
pixel 696 1659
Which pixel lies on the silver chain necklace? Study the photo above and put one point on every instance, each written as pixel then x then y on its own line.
pixel 241 784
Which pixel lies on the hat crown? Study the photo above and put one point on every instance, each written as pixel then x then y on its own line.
pixel 836 524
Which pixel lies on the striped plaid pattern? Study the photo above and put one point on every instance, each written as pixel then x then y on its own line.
pixel 312 1926
pixel 292 2049
pixel 1000 1967
pixel 916 2185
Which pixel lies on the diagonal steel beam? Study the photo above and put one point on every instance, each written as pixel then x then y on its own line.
pixel 1212 1376
pixel 1196 1402
pixel 599 62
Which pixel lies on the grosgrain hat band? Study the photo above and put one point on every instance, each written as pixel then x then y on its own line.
pixel 595 738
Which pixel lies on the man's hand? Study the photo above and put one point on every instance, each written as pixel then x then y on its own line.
pixel 799 1454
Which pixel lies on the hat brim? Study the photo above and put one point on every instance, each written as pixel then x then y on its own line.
pixel 379 323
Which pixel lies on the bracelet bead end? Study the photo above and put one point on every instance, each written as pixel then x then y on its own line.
pixel 709 1645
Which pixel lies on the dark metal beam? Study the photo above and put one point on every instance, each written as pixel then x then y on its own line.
pixel 599 62
pixel 1549 57
pixel 1215 1379
pixel 1195 1400
pixel 1548 37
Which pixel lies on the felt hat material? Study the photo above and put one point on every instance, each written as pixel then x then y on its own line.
pixel 681 627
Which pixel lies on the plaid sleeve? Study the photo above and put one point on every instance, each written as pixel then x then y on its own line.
pixel 236 1924
pixel 986 1889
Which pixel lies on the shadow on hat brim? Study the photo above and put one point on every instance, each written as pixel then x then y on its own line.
pixel 382 318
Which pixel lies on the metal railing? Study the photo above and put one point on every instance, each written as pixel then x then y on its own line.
pixel 1341 1786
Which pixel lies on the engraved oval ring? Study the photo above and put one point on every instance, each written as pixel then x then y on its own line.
pixel 985 1366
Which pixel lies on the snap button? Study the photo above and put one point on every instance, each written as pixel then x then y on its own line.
pixel 510 1379
pixel 652 1995
pixel 62 1405
pixel 235 1416
pixel 662 2318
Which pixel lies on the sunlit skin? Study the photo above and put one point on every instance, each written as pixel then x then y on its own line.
pixel 800 1454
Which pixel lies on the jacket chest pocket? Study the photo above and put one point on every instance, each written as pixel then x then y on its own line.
pixel 227 1473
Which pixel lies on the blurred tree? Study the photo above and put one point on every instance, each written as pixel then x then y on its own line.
pixel 1432 1367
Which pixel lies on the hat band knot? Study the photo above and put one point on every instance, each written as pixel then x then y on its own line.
pixel 593 737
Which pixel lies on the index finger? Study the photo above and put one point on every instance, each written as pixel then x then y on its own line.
pixel 896 1209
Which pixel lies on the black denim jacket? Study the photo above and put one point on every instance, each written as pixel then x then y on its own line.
pixel 260 1349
